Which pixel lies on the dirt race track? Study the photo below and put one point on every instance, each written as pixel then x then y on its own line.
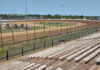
pixel 23 36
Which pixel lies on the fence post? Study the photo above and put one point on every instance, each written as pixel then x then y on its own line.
pixel 1 35
pixel 7 55
pixel 44 44
pixel 34 47
pixel 65 39
pixel 22 51
pixel 70 36
pixel 52 42
pixel 59 40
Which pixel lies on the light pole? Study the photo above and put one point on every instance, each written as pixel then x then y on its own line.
pixel 62 5
pixel 61 16
pixel 1 35
pixel 26 19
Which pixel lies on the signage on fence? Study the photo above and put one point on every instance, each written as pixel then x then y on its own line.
pixel 62 41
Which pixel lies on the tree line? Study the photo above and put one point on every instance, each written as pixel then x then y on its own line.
pixel 49 16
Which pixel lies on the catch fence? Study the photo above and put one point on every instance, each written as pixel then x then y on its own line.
pixel 22 38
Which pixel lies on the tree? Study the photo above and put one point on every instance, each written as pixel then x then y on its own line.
pixel 57 16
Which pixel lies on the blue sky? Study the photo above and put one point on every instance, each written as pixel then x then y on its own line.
pixel 71 7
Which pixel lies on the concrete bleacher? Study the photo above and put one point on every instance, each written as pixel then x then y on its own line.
pixel 81 51
pixel 97 60
pixel 87 53
pixel 50 68
pixel 28 66
pixel 88 58
pixel 66 49
pixel 59 69
pixel 83 46
pixel 45 54
pixel 55 50
pixel 35 66
pixel 42 67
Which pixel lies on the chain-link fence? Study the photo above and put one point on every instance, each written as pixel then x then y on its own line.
pixel 20 37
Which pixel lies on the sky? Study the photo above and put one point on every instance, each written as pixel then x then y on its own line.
pixel 70 7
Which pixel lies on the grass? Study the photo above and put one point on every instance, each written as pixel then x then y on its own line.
pixel 43 43
pixel 58 24
pixel 22 29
